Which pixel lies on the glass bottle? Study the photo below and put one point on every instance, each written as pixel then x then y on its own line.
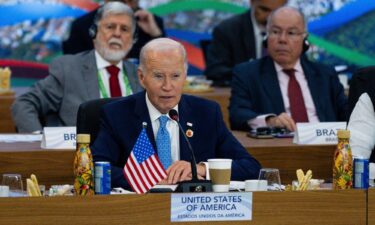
pixel 343 162
pixel 83 167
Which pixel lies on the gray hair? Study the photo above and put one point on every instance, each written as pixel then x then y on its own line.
pixel 116 8
pixel 272 14
pixel 161 44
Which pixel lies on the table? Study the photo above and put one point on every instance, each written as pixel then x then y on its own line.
pixel 309 207
pixel 281 153
pixel 50 166
pixel 6 121
pixel 56 166
pixel 371 206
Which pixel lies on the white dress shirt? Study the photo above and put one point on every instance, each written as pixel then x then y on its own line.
pixel 104 75
pixel 362 130
pixel 283 78
pixel 172 128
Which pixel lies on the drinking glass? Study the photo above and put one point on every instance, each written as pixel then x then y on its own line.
pixel 272 176
pixel 14 182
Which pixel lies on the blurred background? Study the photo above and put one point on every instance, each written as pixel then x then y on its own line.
pixel 31 31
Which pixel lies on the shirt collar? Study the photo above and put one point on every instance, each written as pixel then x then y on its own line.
pixel 101 63
pixel 297 67
pixel 154 113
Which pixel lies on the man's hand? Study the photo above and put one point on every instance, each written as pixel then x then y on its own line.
pixel 147 23
pixel 282 120
pixel 181 171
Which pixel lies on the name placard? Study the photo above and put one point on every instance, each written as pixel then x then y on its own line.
pixel 317 133
pixel 211 206
pixel 59 138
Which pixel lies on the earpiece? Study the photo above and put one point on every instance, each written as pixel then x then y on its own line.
pixel 93 30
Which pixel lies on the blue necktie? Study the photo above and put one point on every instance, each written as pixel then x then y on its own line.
pixel 163 143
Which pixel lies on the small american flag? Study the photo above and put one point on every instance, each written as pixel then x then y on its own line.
pixel 143 169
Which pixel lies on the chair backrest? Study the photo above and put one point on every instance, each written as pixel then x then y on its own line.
pixel 88 116
pixel 361 82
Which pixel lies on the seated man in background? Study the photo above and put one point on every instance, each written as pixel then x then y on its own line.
pixel 237 40
pixel 74 79
pixel 148 27
pixel 285 87
pixel 162 72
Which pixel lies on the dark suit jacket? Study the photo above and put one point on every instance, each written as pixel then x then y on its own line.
pixel 233 42
pixel 122 123
pixel 79 39
pixel 256 91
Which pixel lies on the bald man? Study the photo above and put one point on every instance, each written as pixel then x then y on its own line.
pixel 285 88
pixel 162 72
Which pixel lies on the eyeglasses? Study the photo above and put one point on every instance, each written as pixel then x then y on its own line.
pixel 290 34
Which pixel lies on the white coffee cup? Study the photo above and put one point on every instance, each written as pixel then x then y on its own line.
pixel 4 191
pixel 220 172
pixel 255 185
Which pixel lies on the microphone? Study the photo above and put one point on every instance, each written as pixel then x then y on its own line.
pixel 195 185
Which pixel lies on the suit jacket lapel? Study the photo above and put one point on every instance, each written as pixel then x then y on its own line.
pixel 184 112
pixel 143 115
pixel 90 75
pixel 268 76
pixel 314 82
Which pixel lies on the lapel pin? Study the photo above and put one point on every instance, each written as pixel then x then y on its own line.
pixel 189 133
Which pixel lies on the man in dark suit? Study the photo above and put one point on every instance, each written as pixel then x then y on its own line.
pixel 238 39
pixel 284 88
pixel 74 79
pixel 148 28
pixel 162 72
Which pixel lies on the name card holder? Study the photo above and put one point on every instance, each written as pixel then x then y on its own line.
pixel 317 133
pixel 231 206
pixel 59 138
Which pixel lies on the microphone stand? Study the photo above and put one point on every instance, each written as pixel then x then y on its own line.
pixel 193 185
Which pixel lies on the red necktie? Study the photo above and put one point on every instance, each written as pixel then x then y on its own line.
pixel 297 104
pixel 114 85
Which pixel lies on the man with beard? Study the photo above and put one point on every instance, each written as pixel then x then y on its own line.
pixel 148 27
pixel 74 79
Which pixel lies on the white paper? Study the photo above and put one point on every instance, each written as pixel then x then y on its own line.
pixel 10 138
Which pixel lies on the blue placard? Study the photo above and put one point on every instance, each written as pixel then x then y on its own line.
pixel 211 206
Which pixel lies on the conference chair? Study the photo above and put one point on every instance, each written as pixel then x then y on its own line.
pixel 88 117
pixel 362 81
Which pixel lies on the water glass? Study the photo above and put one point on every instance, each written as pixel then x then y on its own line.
pixel 14 182
pixel 272 176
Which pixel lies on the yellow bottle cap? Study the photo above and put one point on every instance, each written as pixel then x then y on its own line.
pixel 343 134
pixel 83 138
